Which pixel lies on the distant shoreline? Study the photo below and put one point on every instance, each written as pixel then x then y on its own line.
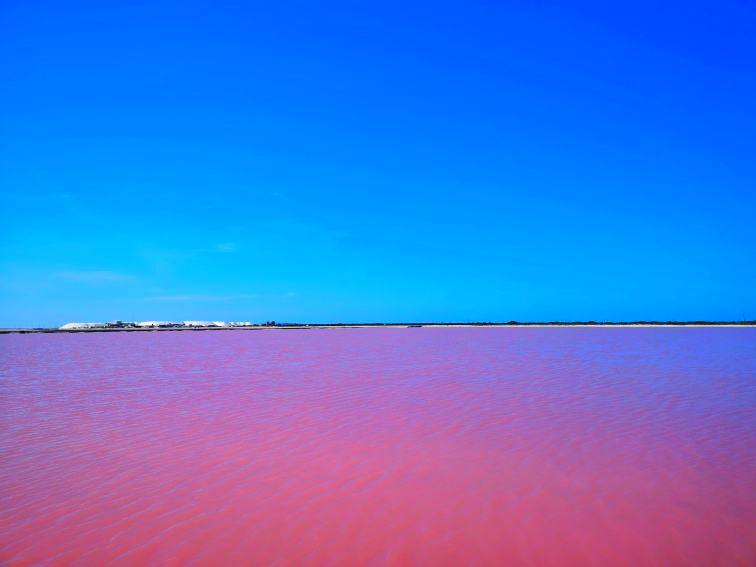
pixel 640 324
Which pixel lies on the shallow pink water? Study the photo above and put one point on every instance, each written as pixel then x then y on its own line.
pixel 466 446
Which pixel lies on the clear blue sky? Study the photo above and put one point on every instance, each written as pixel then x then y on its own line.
pixel 377 161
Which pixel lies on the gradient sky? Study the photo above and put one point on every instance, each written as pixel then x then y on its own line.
pixel 377 161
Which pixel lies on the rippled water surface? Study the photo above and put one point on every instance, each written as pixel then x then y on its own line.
pixel 446 446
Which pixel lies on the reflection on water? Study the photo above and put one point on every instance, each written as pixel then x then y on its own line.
pixel 457 446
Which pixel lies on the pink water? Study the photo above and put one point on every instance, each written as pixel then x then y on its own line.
pixel 466 446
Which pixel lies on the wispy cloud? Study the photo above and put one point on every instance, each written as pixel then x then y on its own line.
pixel 94 277
pixel 226 247
pixel 202 297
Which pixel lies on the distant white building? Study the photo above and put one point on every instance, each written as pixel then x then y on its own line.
pixel 217 323
pixel 70 326
pixel 154 323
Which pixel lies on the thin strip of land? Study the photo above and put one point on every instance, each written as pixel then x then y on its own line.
pixel 262 327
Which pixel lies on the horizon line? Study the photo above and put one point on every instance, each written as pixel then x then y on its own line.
pixel 175 326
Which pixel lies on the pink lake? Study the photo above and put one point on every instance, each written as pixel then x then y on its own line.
pixel 431 446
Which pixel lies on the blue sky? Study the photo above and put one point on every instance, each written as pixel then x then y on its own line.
pixel 377 161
